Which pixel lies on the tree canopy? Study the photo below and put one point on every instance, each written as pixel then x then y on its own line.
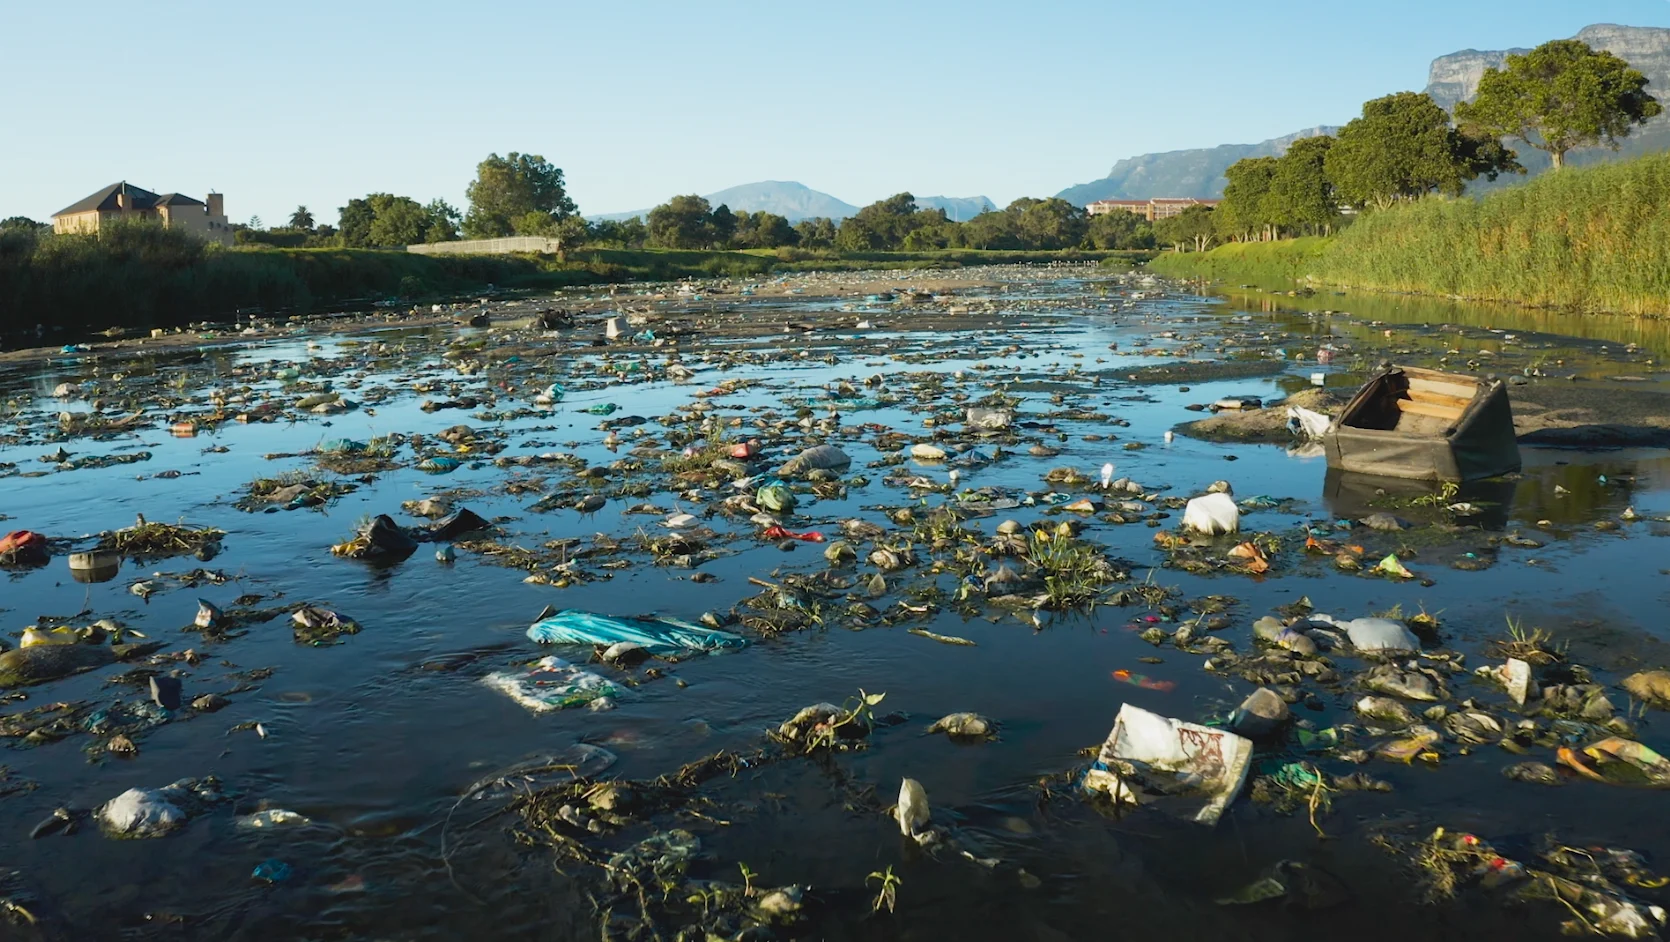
pixel 1244 210
pixel 1561 96
pixel 683 222
pixel 1404 147
pixel 383 220
pixel 1193 226
pixel 1301 195
pixel 508 189
pixel 301 219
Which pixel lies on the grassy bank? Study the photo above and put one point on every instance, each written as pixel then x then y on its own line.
pixel 1589 239
pixel 1261 263
pixel 143 276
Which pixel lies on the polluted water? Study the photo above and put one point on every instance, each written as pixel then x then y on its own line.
pixel 1003 602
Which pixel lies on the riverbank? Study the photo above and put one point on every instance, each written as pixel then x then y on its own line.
pixel 1595 239
pixel 142 277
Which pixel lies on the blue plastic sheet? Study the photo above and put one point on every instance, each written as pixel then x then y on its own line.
pixel 658 635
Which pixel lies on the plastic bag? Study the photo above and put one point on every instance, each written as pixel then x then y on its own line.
pixel 659 635
pixel 552 683
pixel 1209 764
pixel 1212 514
pixel 992 420
pixel 775 497
pixel 1307 424
pixel 1379 634
pixel 140 813
pixel 817 458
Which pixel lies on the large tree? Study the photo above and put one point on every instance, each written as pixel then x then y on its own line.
pixel 1051 224
pixel 398 221
pixel 301 219
pixel 816 233
pixel 683 222
pixel 1300 194
pixel 442 223
pixel 1192 227
pixel 1404 147
pixel 354 220
pixel 722 225
pixel 1561 96
pixel 508 188
pixel 1120 230
pixel 1242 214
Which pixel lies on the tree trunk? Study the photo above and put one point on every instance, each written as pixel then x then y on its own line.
pixel 1559 158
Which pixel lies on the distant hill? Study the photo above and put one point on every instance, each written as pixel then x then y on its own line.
pixel 957 208
pixel 1455 78
pixel 1195 173
pixel 795 201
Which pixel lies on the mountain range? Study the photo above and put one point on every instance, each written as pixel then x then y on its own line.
pixel 1451 79
pixel 1199 172
pixel 796 201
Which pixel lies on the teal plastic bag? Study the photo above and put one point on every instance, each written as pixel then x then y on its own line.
pixel 661 636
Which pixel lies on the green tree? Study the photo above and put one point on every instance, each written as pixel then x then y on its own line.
pixel 626 234
pixel 991 230
pixel 1300 196
pixel 859 234
pixel 683 222
pixel 816 233
pixel 354 221
pixel 1119 230
pixel 883 224
pixel 301 219
pixel 1561 96
pixel 256 223
pixel 509 188
pixel 1050 224
pixel 770 231
pixel 442 223
pixel 1404 147
pixel 1193 227
pixel 722 225
pixel 22 224
pixel 399 221
pixel 1243 215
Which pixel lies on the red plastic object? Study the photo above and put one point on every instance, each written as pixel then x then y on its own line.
pixel 778 533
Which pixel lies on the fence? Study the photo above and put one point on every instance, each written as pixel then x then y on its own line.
pixel 539 244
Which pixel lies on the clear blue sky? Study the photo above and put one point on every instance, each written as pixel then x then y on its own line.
pixel 276 104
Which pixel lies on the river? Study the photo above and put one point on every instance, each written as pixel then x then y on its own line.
pixel 378 739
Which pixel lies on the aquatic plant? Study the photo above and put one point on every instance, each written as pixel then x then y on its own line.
pixel 888 893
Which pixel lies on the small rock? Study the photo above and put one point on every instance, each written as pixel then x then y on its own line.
pixel 210 702
pixel 1262 714
pixel 1537 773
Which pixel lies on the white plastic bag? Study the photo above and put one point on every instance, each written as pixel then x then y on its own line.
pixel 991 420
pixel 1307 424
pixel 1380 634
pixel 1198 760
pixel 1212 514
pixel 140 813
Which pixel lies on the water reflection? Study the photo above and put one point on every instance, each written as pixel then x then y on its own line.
pixel 1352 496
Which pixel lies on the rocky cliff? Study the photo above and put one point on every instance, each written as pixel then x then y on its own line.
pixel 1455 77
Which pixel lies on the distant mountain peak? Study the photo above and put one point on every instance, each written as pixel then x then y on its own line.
pixel 1197 173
